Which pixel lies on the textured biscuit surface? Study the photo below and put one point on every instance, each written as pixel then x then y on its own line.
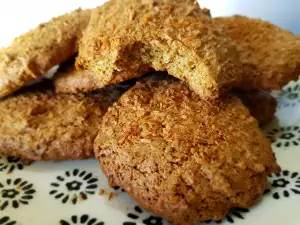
pixel 69 80
pixel 183 158
pixel 261 104
pixel 272 52
pixel 41 125
pixel 34 53
pixel 126 38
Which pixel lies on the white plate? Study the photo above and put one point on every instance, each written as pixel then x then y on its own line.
pixel 77 192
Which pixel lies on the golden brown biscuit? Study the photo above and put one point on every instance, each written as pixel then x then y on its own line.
pixel 34 53
pixel 184 158
pixel 272 52
pixel 126 38
pixel 40 125
pixel 261 104
pixel 69 80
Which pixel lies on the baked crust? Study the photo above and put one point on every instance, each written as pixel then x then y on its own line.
pixel 34 53
pixel 272 52
pixel 125 38
pixel 40 125
pixel 69 80
pixel 184 158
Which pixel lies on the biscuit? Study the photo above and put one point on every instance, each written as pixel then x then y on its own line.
pixel 272 53
pixel 186 159
pixel 126 38
pixel 40 125
pixel 34 53
pixel 69 80
pixel 261 104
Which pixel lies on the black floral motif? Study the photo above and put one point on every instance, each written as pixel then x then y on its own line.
pixel 84 219
pixel 15 193
pixel 289 97
pixel 5 220
pixel 153 220
pixel 9 164
pixel 150 220
pixel 285 184
pixel 235 213
pixel 285 136
pixel 73 186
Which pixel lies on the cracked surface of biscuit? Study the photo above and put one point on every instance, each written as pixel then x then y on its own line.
pixel 184 158
pixel 40 125
pixel 34 53
pixel 126 38
pixel 272 52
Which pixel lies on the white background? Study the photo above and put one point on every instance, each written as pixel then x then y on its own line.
pixel 284 13
pixel 17 16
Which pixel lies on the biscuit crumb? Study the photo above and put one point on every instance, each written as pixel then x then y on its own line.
pixel 112 195
pixel 18 188
pixel 102 191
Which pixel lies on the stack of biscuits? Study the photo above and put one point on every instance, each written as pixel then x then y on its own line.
pixel 167 98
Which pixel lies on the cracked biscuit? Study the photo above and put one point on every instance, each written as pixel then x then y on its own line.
pixel 34 53
pixel 186 159
pixel 124 39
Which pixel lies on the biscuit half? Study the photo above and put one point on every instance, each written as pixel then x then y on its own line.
pixel 34 53
pixel 124 39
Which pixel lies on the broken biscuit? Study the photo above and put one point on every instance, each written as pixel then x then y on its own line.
pixel 34 53
pixel 124 39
